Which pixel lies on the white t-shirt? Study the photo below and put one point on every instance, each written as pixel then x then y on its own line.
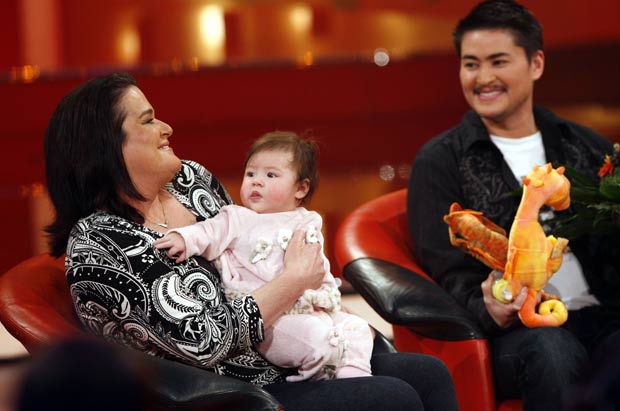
pixel 522 154
pixel 568 283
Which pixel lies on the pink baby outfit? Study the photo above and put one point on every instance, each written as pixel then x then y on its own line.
pixel 314 336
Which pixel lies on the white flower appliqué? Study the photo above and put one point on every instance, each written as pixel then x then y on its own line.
pixel 325 297
pixel 261 250
pixel 312 235
pixel 284 236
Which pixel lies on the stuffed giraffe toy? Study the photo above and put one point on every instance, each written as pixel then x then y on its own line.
pixel 527 257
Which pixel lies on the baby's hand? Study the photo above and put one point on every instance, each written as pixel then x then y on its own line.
pixel 174 245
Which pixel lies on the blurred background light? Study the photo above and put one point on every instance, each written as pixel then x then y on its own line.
pixel 381 57
pixel 213 33
pixel 129 45
pixel 387 172
pixel 300 17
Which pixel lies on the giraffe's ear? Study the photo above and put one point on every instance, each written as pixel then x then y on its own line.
pixel 560 169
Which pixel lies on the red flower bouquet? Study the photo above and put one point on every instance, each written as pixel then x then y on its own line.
pixel 595 205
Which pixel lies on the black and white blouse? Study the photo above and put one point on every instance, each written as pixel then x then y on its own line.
pixel 126 290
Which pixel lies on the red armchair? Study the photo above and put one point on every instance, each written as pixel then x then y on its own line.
pixel 373 250
pixel 36 308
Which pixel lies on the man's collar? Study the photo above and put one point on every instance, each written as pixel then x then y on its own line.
pixel 546 121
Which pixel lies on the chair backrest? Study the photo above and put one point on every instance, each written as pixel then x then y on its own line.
pixel 384 221
pixel 35 304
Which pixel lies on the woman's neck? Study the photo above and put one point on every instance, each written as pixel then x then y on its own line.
pixel 152 209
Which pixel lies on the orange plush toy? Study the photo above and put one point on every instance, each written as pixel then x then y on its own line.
pixel 528 258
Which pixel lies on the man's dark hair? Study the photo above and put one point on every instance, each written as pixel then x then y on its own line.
pixel 506 15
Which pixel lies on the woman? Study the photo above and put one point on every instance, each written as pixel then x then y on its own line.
pixel 117 186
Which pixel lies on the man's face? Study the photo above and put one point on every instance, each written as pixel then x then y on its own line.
pixel 497 78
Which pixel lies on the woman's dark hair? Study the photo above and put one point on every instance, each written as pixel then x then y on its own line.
pixel 305 154
pixel 502 14
pixel 84 165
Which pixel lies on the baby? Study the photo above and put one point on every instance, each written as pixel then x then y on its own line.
pixel 248 244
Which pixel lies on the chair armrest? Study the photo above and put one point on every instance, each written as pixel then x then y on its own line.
pixel 403 297
pixel 185 388
pixel 381 345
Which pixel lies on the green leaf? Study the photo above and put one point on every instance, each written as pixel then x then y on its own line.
pixel 610 187
pixel 606 206
pixel 577 178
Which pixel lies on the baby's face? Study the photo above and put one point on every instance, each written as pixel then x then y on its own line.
pixel 270 184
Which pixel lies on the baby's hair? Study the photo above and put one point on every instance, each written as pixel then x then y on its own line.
pixel 305 154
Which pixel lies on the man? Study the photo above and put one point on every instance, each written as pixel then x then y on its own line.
pixel 478 164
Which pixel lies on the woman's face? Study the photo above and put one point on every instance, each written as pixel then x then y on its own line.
pixel 148 156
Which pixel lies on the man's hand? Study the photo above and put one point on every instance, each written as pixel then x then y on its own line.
pixel 504 315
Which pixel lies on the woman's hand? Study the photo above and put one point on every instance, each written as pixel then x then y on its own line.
pixel 303 269
pixel 303 263
pixel 504 315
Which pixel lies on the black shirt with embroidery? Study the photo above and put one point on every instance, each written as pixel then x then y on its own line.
pixel 463 165
pixel 126 290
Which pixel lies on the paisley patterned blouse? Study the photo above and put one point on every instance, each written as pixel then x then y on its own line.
pixel 127 291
